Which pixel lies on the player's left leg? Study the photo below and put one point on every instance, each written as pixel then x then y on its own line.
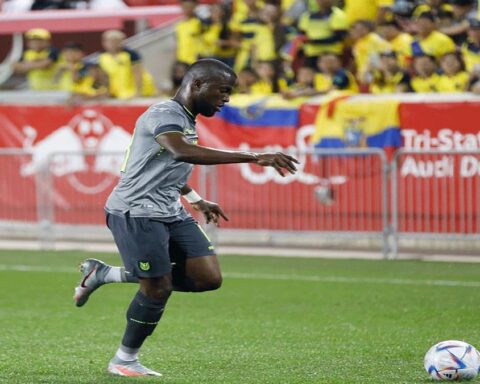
pixel 195 265
pixel 96 273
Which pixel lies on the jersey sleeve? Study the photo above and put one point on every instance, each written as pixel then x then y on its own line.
pixel 134 56
pixel 339 20
pixel 163 121
pixel 53 54
pixel 303 23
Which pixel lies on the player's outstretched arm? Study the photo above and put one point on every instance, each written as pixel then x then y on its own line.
pixel 182 150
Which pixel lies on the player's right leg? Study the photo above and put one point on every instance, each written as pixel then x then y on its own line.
pixel 144 250
pixel 143 315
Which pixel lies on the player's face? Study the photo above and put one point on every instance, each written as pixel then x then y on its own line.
pixel 210 96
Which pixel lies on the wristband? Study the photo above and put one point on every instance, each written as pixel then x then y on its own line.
pixel 192 197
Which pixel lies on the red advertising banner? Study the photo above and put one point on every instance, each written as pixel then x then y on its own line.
pixel 254 197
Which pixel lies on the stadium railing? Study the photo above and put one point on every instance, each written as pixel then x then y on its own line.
pixel 339 199
pixel 336 197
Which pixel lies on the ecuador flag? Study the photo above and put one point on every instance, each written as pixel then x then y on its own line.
pixel 260 121
pixel 346 121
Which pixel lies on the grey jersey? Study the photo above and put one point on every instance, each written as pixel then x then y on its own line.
pixel 151 179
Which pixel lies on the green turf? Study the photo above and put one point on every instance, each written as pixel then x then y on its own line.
pixel 265 325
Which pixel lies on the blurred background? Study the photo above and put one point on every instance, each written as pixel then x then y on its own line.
pixel 377 98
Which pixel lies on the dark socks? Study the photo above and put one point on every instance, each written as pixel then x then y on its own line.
pixel 143 316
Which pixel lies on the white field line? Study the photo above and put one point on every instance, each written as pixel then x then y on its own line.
pixel 279 277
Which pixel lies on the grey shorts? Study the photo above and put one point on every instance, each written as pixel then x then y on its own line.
pixel 149 247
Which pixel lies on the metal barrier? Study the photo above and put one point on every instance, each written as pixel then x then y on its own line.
pixel 338 197
pixel 297 210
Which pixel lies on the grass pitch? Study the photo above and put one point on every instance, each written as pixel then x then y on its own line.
pixel 275 320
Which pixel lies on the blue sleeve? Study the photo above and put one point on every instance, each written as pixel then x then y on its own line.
pixel 134 55
pixel 53 54
pixel 341 80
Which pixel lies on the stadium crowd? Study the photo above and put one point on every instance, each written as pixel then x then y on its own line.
pixel 295 48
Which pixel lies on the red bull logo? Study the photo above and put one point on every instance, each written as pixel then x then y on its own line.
pixel 88 151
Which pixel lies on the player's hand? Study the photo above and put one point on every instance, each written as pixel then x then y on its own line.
pixel 279 161
pixel 211 211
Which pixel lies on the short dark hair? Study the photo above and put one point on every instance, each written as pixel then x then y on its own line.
pixel 208 69
pixel 73 45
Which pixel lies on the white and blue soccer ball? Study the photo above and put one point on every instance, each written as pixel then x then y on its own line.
pixel 452 360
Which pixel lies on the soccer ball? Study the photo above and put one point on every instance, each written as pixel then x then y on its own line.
pixel 452 360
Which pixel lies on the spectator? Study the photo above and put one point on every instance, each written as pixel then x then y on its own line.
pixel 38 60
pixel 438 8
pixel 272 35
pixel 389 77
pixel 332 75
pixel 69 66
pixel 454 78
pixel 367 46
pixel 91 84
pixel 126 75
pixel 463 10
pixel 303 85
pixel 471 49
pixel 178 72
pixel 400 41
pixel 188 33
pixel 216 35
pixel 426 77
pixel 428 40
pixel 324 31
pixel 247 77
pixel 244 32
pixel 269 80
pixel 371 10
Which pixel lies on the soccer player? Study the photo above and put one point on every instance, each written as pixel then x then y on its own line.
pixel 151 228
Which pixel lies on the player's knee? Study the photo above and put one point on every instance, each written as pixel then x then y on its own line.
pixel 160 290
pixel 211 283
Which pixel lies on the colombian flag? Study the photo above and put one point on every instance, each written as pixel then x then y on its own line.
pixel 344 121
pixel 261 121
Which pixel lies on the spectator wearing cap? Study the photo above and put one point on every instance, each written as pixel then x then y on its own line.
pixel 38 61
pixel 428 40
pixel 389 77
pixel 187 33
pixel 426 76
pixel 463 10
pixel 454 78
pixel 438 8
pixel 126 75
pixel 324 31
pixel 367 46
pixel 471 48
pixel 400 41
pixel 69 65
pixel 372 10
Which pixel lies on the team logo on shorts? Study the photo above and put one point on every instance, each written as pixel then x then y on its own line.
pixel 144 266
